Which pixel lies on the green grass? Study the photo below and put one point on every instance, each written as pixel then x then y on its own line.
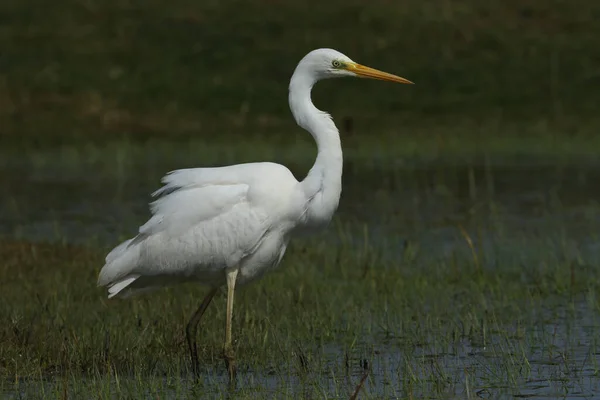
pixel 500 142
pixel 100 69
pixel 99 98
pixel 394 282
pixel 423 323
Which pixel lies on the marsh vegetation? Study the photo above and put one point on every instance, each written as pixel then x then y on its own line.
pixel 463 262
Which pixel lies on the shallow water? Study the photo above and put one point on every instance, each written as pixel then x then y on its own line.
pixel 511 211
pixel 557 358
pixel 99 201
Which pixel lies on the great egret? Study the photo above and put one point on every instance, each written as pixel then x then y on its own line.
pixel 230 225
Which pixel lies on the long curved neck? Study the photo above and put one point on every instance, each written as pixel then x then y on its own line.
pixel 323 184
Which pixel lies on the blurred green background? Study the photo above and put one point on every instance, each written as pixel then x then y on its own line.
pixel 94 69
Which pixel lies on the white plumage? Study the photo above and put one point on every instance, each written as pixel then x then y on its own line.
pixel 229 225
pixel 207 220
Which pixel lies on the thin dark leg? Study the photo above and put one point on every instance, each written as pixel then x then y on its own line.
pixel 190 330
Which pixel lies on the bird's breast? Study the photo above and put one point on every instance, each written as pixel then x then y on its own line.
pixel 266 257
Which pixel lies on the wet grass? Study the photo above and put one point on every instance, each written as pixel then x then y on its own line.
pixel 431 279
pixel 479 319
pixel 428 276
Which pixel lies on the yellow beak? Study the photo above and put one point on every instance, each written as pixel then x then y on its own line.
pixel 368 72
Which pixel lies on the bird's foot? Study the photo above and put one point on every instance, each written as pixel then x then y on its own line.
pixel 194 359
pixel 229 357
pixel 196 367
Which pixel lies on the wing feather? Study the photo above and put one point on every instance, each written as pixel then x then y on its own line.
pixel 199 177
pixel 202 221
pixel 180 210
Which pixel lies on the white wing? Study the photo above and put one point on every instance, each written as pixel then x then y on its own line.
pixel 203 223
pixel 189 205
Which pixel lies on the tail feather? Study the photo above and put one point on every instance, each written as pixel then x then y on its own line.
pixel 115 288
pixel 117 272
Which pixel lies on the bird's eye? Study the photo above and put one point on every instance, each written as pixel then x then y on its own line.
pixel 336 63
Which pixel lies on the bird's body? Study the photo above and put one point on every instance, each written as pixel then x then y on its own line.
pixel 230 225
pixel 209 220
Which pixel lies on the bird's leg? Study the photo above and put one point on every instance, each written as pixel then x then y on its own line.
pixel 228 352
pixel 190 330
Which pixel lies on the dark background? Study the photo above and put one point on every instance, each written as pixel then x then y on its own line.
pixel 111 68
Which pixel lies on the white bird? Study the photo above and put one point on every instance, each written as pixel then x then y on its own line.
pixel 230 225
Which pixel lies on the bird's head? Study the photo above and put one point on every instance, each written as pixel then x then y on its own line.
pixel 329 63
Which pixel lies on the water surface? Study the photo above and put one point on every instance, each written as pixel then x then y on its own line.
pixel 510 211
